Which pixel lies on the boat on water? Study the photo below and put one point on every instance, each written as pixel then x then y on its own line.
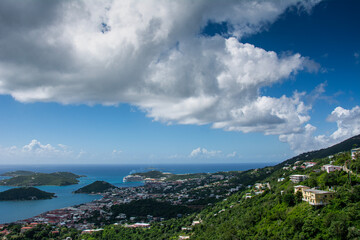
pixel 133 178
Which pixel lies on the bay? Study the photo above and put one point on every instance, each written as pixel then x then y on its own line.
pixel 16 210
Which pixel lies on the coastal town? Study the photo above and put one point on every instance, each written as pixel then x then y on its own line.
pixel 179 192
pixel 195 191
pixel 179 120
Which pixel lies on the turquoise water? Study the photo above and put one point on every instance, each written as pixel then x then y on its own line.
pixel 11 211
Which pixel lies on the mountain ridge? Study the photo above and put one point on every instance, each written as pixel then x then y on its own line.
pixel 345 145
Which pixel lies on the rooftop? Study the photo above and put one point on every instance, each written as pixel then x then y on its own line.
pixel 317 191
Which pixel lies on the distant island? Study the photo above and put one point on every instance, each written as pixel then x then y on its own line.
pixel 17 173
pixel 27 178
pixel 96 187
pixel 300 198
pixel 25 193
pixel 155 176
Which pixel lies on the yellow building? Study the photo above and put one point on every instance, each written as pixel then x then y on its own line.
pixel 300 188
pixel 317 197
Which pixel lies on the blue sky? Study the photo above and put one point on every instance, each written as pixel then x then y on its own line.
pixel 246 81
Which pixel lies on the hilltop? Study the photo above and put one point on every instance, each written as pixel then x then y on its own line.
pixel 343 146
pixel 25 193
pixel 40 179
pixel 96 187
pixel 267 207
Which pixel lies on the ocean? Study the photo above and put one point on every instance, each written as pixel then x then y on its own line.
pixel 11 211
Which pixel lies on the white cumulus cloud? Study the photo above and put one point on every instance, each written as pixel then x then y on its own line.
pixel 348 125
pixel 347 121
pixel 37 151
pixel 203 152
pixel 36 147
pixel 231 155
pixel 151 54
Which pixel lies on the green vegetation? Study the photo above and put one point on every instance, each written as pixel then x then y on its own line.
pixel 40 179
pixel 151 207
pixel 277 213
pixel 17 173
pixel 142 210
pixel 41 232
pixel 173 177
pixel 272 213
pixel 151 174
pixel 159 231
pixel 344 146
pixel 355 165
pixel 96 187
pixel 25 193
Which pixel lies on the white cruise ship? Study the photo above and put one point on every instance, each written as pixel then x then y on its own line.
pixel 133 178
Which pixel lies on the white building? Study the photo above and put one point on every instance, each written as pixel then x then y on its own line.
pixel 331 168
pixel 300 188
pixel 354 152
pixel 298 178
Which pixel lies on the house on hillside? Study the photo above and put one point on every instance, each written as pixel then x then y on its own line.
pixel 300 188
pixel 5 232
pixel 309 164
pixel 296 178
pixel 196 222
pixel 262 185
pixel 138 225
pixel 354 152
pixel 313 196
pixel 331 168
pixel 184 237
pixel 317 197
pixel 248 195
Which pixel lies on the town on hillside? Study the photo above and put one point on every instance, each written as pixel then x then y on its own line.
pixel 166 196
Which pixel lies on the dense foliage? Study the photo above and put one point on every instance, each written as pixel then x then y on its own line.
pixel 96 187
pixel 170 176
pixel 277 213
pixel 344 146
pixel 25 193
pixel 283 216
pixel 40 179
pixel 273 213
pixel 42 232
pixel 17 173
pixel 151 174
pixel 143 208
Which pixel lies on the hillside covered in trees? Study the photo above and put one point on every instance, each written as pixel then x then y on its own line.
pixel 24 178
pixel 96 187
pixel 275 213
pixel 25 193
pixel 266 207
